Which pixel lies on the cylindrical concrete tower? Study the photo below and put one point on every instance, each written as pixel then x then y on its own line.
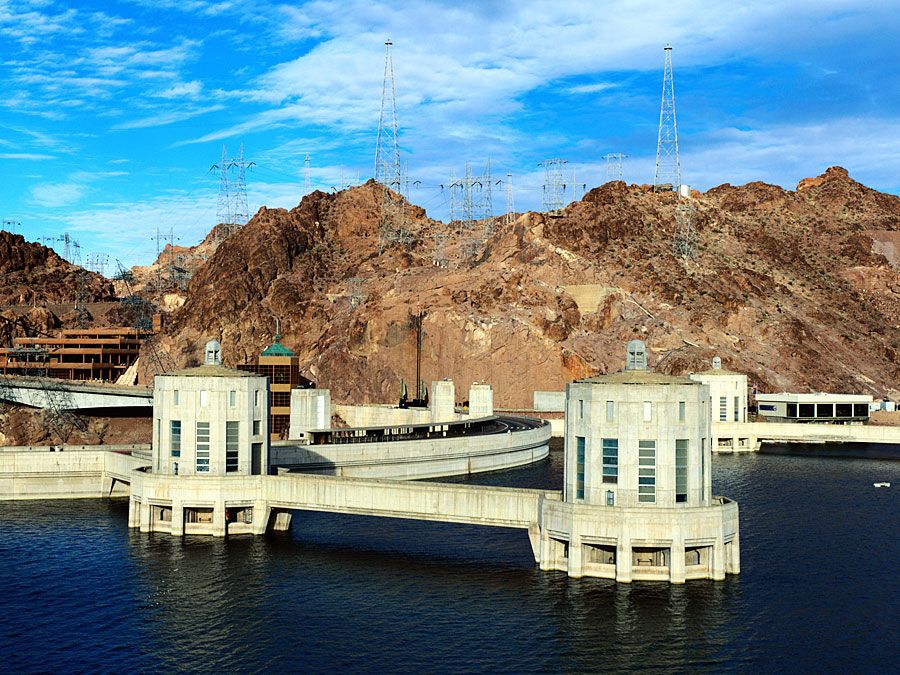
pixel 210 420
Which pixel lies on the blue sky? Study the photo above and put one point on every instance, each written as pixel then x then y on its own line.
pixel 112 113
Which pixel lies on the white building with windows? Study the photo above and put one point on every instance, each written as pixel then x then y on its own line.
pixel 727 392
pixel 210 420
pixel 637 499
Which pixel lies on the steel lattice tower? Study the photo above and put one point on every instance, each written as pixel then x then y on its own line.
pixel 307 182
pixel 554 184
pixel 668 169
pixel 510 204
pixel 614 166
pixel 232 211
pixel 684 243
pixel 240 210
pixel 223 204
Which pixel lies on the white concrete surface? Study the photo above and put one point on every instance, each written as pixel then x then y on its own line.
pixel 310 409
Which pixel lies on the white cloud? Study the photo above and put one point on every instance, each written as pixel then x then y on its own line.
pixel 591 88
pixel 54 195
pixel 25 155
pixel 190 90
pixel 165 118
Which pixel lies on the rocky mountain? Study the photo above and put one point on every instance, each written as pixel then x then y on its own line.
pixel 798 289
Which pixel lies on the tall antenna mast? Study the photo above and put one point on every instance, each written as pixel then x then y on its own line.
pixel 668 170
pixel 308 183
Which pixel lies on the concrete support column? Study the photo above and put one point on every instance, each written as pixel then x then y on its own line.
pixel 575 568
pixel 106 485
pixel 220 528
pixel 677 574
pixel 623 559
pixel 261 513
pixel 177 519
pixel 134 513
pixel 145 517
pixel 718 560
pixel 547 561
pixel 733 564
pixel 534 536
pixel 282 521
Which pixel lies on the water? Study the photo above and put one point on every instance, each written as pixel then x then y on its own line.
pixel 818 589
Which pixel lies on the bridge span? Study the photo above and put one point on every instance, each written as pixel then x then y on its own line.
pixel 747 436
pixel 75 395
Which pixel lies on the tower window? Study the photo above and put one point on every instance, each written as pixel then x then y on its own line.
pixel 610 460
pixel 681 411
pixel 579 467
pixel 202 447
pixel 175 438
pixel 723 408
pixel 232 430
pixel 647 471
pixel 648 411
pixel 610 411
pixel 681 470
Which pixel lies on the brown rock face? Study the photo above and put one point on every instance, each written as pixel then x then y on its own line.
pixel 31 273
pixel 787 287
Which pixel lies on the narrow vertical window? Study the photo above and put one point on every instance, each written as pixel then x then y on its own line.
pixel 610 460
pixel 175 397
pixel 579 468
pixel 256 427
pixel 648 411
pixel 581 409
pixel 681 469
pixel 610 498
pixel 647 471
pixel 256 398
pixel 681 411
pixel 232 398
pixel 175 438
pixel 610 411
pixel 202 447
pixel 232 430
pixel 702 470
pixel 723 408
pixel 737 409
pixel 204 398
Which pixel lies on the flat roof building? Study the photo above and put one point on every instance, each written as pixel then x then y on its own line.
pixel 821 407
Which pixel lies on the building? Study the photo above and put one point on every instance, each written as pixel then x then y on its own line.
pixel 821 408
pixel 637 499
pixel 282 367
pixel 727 392
pixel 100 354
pixel 210 420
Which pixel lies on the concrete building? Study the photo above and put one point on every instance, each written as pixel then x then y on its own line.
pixel 637 500
pixel 210 420
pixel 727 403
pixel 821 408
pixel 727 392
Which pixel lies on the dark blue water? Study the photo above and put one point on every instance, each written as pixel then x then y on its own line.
pixel 818 592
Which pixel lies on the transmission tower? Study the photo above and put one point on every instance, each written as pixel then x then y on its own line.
pixel 577 186
pixel 307 185
pixel 668 169
pixel 554 184
pixel 355 291
pixel 614 161
pixel 440 258
pixel 510 204
pixel 231 207
pixel 684 243
pixel 393 226
pixel 11 226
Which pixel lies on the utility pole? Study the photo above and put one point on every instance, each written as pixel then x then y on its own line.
pixel 668 169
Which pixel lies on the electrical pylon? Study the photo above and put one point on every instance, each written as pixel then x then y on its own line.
pixel 668 169
pixel 614 162
pixel 231 207
pixel 554 184
pixel 307 182
pixel 510 204
pixel 388 171
pixel 684 243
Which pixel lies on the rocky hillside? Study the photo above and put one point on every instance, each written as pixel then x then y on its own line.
pixel 791 287
pixel 34 274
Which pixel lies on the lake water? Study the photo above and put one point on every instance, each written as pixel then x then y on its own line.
pixel 818 592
